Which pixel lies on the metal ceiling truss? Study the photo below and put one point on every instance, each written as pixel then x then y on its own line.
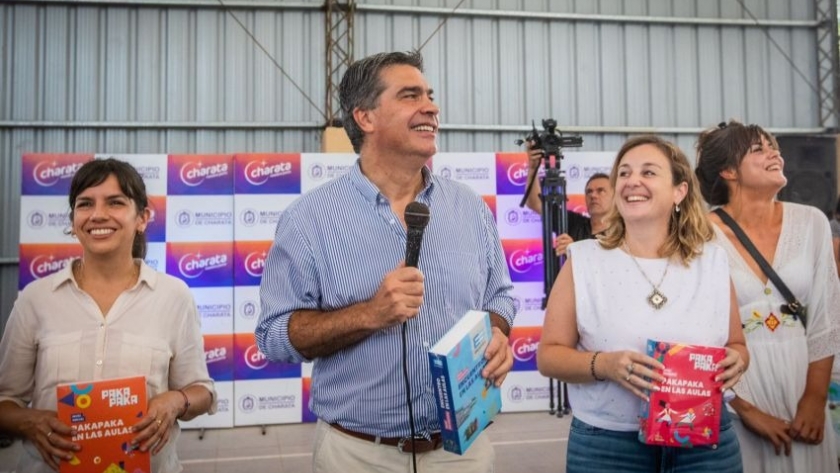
pixel 339 30
pixel 828 66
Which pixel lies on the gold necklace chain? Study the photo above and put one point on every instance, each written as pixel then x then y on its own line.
pixel 80 274
pixel 656 298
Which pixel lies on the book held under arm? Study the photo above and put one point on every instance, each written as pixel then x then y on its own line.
pixel 685 412
pixel 466 402
pixel 103 413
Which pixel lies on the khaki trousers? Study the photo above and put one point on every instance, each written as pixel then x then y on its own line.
pixel 336 452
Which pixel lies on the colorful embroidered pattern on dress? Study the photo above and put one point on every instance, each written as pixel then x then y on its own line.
pixel 772 321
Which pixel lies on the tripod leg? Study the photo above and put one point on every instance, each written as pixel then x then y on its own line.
pixel 567 408
pixel 560 386
pixel 551 409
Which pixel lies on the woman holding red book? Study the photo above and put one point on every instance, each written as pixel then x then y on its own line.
pixel 652 276
pixel 106 315
pixel 781 415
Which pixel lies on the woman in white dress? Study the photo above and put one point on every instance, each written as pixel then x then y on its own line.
pixel 781 402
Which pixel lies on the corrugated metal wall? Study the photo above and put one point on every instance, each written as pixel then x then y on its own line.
pixel 129 77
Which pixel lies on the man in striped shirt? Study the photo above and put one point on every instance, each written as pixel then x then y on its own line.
pixel 335 289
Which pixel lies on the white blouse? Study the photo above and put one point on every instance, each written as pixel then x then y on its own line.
pixel 57 334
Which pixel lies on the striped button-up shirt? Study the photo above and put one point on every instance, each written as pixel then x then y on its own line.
pixel 333 247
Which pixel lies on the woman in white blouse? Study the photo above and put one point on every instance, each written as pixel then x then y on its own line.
pixel 106 315
pixel 652 276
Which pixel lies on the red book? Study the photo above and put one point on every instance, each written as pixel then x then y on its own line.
pixel 685 412
pixel 103 413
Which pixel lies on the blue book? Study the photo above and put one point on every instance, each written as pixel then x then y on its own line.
pixel 466 402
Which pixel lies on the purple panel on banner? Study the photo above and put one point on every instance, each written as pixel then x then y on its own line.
pixel 201 264
pixel 41 260
pixel 511 173
pixel 50 174
pixel 249 261
pixel 200 174
pixel 252 364
pixel 156 229
pixel 525 259
pixel 267 173
pixel 524 342
pixel 218 353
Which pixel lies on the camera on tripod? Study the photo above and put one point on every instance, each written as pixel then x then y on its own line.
pixel 551 141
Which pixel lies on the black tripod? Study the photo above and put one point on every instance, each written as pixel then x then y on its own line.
pixel 555 221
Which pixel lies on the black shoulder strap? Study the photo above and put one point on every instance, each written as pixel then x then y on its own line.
pixel 793 306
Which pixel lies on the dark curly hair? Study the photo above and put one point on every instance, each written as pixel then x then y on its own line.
pixel 722 148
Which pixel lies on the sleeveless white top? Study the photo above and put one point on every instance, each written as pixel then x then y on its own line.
pixel 613 314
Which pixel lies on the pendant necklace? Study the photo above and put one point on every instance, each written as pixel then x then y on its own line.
pixel 656 298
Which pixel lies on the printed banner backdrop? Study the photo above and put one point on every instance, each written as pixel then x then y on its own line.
pixel 213 221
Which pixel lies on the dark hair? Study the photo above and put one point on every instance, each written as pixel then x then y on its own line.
pixel 597 175
pixel 837 209
pixel 722 148
pixel 688 229
pixel 95 172
pixel 361 86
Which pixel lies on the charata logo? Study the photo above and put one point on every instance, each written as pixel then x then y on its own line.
pixel 184 218
pixel 254 263
pixel 524 349
pixel 248 217
pixel 446 172
pixel 515 393
pixel 574 172
pixel 517 304
pixel 254 358
pixel 248 309
pixel 258 173
pixel 517 174
pixel 522 261
pixel 44 265
pixel 47 174
pixel 512 217
pixel 316 171
pixel 247 403
pixel 194 173
pixel 192 265
pixel 35 219
pixel 215 355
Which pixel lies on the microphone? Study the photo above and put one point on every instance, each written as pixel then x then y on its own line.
pixel 416 219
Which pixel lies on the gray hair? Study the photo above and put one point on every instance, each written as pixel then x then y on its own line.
pixel 361 86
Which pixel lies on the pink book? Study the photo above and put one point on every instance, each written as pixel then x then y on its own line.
pixel 685 412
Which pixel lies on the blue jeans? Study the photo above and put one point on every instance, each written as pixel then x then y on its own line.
pixel 594 450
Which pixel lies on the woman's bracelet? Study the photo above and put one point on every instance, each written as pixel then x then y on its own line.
pixel 592 367
pixel 186 403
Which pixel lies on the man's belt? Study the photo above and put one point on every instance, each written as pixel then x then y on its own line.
pixel 403 444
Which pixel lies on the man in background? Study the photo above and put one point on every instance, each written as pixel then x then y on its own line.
pixel 598 195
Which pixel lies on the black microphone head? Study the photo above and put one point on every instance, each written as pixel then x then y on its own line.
pixel 416 215
pixel 416 218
